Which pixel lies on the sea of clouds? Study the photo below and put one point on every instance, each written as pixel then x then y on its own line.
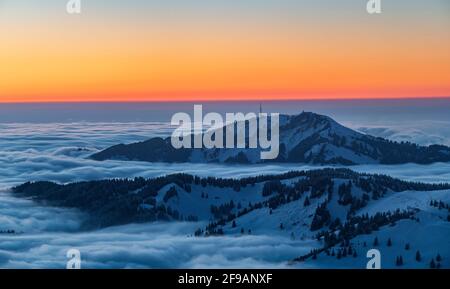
pixel 59 152
pixel 424 132
pixel 158 245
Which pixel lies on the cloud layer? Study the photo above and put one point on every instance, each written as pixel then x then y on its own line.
pixel 57 152
pixel 425 132
pixel 148 245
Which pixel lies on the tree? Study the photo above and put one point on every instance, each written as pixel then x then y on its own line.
pixel 432 264
pixel 389 242
pixel 335 224
pixel 321 217
pixel 172 192
pixel 307 202
pixel 399 261
pixel 418 256
pixel 375 242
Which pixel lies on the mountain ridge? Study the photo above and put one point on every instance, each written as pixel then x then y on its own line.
pixel 333 209
pixel 306 138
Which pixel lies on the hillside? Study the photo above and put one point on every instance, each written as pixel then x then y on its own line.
pixel 306 138
pixel 333 208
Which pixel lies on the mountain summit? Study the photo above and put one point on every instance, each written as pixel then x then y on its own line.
pixel 307 138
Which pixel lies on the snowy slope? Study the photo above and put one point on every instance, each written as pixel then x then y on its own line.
pixel 304 138
pixel 303 206
pixel 430 234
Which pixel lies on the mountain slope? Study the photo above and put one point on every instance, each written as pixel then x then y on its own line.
pixel 304 138
pixel 333 208
pixel 426 233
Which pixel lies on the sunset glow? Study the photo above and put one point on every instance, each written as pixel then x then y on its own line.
pixel 163 52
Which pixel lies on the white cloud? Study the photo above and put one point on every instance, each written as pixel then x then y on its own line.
pixel 140 246
pixel 25 216
pixel 424 132
pixel 57 152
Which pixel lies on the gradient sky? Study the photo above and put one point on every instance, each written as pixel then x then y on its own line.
pixel 222 49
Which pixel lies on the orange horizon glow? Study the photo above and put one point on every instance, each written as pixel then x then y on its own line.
pixel 60 58
pixel 208 98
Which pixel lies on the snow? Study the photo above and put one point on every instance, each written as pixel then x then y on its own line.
pixel 430 235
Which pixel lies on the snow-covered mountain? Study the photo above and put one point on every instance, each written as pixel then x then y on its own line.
pixel 333 209
pixel 304 138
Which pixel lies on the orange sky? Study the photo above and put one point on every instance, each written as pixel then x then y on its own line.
pixel 115 57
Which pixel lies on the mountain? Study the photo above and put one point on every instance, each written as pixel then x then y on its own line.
pixel 332 209
pixel 305 138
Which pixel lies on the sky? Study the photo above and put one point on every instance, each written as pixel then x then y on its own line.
pixel 178 50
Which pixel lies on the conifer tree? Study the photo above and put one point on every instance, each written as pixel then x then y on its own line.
pixel 432 264
pixel 399 261
pixel 418 256
pixel 375 242
pixel 307 202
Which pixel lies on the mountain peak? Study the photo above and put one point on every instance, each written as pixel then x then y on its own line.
pixel 307 138
pixel 309 119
